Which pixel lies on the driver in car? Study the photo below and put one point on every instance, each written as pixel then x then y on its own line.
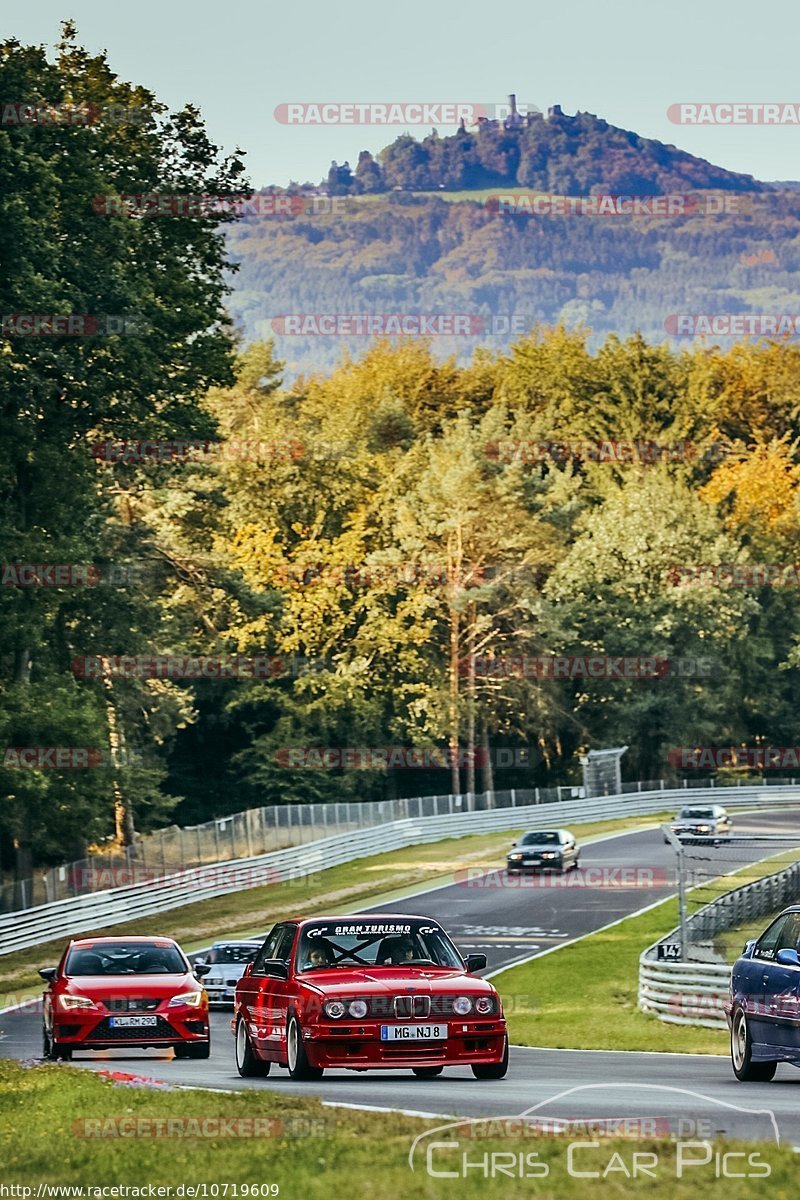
pixel 401 951
pixel 318 956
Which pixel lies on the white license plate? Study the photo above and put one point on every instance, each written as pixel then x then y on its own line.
pixel 413 1033
pixel 132 1022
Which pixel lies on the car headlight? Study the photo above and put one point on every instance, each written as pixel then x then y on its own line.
pixel 70 1003
pixel 334 1009
pixel 357 1008
pixel 462 1005
pixel 484 1005
pixel 514 857
pixel 192 999
pixel 549 854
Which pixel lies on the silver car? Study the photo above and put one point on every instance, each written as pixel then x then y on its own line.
pixel 702 821
pixel 227 961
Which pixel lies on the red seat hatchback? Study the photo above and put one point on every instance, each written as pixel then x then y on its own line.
pixel 367 992
pixel 112 993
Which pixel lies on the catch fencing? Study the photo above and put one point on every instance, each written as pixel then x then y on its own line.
pixel 99 910
pixel 260 831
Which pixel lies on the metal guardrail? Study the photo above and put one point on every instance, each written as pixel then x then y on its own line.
pixel 693 993
pixel 68 918
pixel 276 827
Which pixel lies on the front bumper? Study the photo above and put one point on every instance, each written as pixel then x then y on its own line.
pixel 220 993
pixel 535 864
pixel 94 1031
pixel 360 1045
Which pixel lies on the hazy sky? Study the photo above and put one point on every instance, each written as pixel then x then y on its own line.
pixel 626 60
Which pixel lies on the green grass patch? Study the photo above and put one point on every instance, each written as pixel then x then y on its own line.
pixel 310 1151
pixel 584 996
pixel 337 890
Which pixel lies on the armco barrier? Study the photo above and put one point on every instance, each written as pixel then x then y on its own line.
pixel 99 910
pixel 693 993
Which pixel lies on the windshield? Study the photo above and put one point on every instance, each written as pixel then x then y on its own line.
pixel 241 953
pixel 697 814
pixel 126 958
pixel 375 944
pixel 548 838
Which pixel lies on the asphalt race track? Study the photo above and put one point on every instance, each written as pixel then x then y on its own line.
pixel 509 922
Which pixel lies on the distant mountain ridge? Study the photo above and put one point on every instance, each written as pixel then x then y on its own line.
pixel 553 153
pixel 409 248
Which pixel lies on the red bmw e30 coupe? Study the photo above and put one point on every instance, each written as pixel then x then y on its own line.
pixel 366 992
pixel 110 993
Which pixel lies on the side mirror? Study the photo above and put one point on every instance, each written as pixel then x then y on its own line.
pixel 475 962
pixel 201 969
pixel 513 843
pixel 49 974
pixel 276 967
pixel 788 958
pixel 748 948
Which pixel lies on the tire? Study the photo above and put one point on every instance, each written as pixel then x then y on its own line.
pixel 744 1068
pixel 64 1053
pixel 577 862
pixel 296 1059
pixel 427 1072
pixel 492 1070
pixel 248 1066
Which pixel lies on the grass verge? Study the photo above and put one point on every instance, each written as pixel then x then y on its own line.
pixel 338 889
pixel 312 1151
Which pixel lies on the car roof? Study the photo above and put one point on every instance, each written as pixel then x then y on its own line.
pixel 100 941
pixel 363 918
pixel 238 942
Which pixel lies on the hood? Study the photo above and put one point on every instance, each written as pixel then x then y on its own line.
pixel 117 986
pixel 391 981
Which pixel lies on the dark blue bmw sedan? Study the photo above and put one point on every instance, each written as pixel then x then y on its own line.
pixel 764 1007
